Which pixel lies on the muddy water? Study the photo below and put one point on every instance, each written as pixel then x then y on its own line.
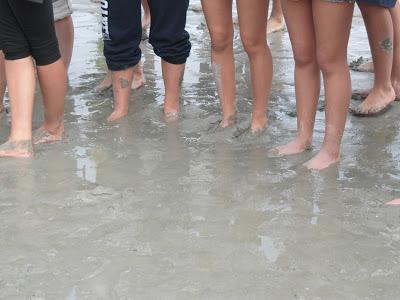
pixel 145 210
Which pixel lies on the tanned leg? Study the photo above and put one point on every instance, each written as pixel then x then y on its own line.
pixel 332 30
pixel 173 76
pixel 379 26
pixel 121 82
pixel 307 73
pixel 65 35
pixel 252 22
pixel 219 21
pixel 21 87
pixel 53 92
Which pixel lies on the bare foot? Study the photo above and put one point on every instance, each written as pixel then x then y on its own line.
pixel 396 87
pixel 394 202
pixel 275 24
pixel 138 82
pixel 376 102
pixel 117 114
pixel 258 125
pixel 17 149
pixel 366 67
pixel 171 117
pixel 43 135
pixel 105 84
pixel 360 94
pixel 228 122
pixel 322 160
pixel 171 106
pixel 295 147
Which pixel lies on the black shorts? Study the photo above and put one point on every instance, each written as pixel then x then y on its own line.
pixel 27 29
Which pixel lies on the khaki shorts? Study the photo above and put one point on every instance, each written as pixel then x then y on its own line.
pixel 62 9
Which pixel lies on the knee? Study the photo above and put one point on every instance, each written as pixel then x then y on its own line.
pixel 329 62
pixel 221 41
pixel 305 58
pixel 252 44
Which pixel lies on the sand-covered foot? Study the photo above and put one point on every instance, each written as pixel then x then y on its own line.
pixel 275 24
pixel 117 114
pixel 378 101
pixel 258 125
pixel 360 94
pixel 396 87
pixel 295 147
pixel 366 67
pixel 17 149
pixel 228 121
pixel 171 109
pixel 138 82
pixel 104 85
pixel 322 160
pixel 394 202
pixel 362 65
pixel 171 116
pixel 43 135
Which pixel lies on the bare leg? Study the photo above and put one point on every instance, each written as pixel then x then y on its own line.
pixel 138 77
pixel 332 29
pixel 307 73
pixel 137 82
pixel 252 21
pixel 65 36
pixel 53 92
pixel 395 13
pixel 3 83
pixel 219 21
pixel 146 15
pixel 173 76
pixel 21 86
pixel 276 21
pixel 380 33
pixel 121 82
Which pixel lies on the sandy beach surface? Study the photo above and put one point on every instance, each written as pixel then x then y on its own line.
pixel 141 209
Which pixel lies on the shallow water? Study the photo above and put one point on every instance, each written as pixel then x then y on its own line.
pixel 145 210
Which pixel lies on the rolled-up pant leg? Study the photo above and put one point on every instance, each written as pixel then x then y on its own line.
pixel 168 36
pixel 122 33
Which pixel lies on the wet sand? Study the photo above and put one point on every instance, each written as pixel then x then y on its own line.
pixel 145 210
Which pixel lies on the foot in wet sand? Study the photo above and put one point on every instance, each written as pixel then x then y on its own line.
pixel 138 82
pixel 228 121
pixel 366 67
pixel 258 125
pixel 43 135
pixel 322 160
pixel 105 84
pixel 275 24
pixel 117 114
pixel 295 147
pixel 171 109
pixel 17 149
pixel 394 202
pixel 376 102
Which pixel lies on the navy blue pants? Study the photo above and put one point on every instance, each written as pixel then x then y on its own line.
pixel 122 31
